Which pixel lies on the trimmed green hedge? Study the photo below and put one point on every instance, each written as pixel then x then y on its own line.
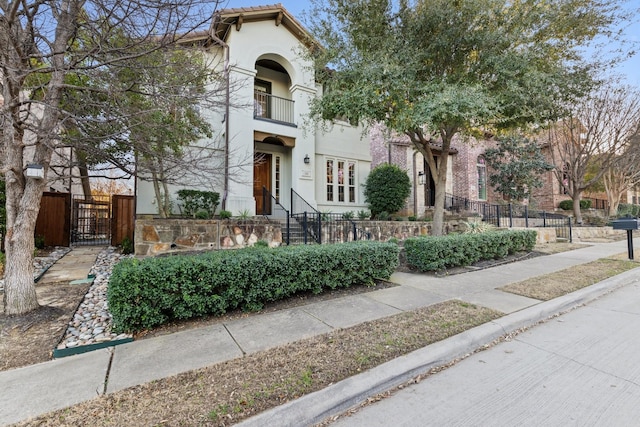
pixel 146 293
pixel 567 205
pixel 453 250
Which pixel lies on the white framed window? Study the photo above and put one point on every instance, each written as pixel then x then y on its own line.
pixel 341 180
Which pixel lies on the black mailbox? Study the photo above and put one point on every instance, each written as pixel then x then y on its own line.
pixel 626 224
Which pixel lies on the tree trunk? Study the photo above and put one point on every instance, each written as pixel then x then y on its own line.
pixel 577 213
pixel 158 192
pixel 614 203
pixel 20 291
pixel 438 171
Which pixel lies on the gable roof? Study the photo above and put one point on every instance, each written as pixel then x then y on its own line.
pixel 227 19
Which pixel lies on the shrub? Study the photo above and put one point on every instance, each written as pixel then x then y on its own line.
pixel 38 242
pixel 386 189
pixel 625 209
pixel 453 250
pixel 127 245
pixel 362 215
pixel 244 214
pixel 348 215
pixel 477 227
pixel 225 214
pixel 567 205
pixel 383 216
pixel 195 201
pixel 145 293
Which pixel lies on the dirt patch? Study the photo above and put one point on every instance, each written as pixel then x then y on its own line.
pixel 31 338
pixel 226 393
pixel 554 285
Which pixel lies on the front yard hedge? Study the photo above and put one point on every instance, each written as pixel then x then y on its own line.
pixel 145 293
pixel 454 250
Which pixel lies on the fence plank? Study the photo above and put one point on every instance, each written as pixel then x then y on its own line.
pixel 53 221
pixel 122 221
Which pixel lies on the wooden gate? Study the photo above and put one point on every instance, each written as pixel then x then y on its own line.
pixel 66 220
pixel 122 218
pixel 54 219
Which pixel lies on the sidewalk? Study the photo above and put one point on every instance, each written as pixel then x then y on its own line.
pixel 41 388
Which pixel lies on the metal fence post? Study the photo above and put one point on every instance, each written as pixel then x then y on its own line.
pixel 570 232
pixel 544 218
pixel 288 230
pixel 319 239
pixel 526 216
pixel 510 216
pixel 498 214
pixel 304 226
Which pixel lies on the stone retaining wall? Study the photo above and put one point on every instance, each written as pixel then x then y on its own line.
pixel 580 234
pixel 155 236
pixel 158 236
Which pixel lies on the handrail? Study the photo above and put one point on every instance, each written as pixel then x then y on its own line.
pixel 268 197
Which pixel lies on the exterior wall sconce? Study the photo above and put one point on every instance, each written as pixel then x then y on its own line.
pixel 307 160
pixel 35 171
pixel 422 179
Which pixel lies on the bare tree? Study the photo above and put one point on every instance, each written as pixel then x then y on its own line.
pixel 623 175
pixel 47 50
pixel 594 138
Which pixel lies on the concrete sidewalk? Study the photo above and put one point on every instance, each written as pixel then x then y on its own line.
pixel 37 389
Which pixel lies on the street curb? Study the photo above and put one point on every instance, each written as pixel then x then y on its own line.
pixel 337 398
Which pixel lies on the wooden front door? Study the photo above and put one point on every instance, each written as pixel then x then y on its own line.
pixel 262 178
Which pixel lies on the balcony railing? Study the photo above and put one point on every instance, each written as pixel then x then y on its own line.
pixel 273 108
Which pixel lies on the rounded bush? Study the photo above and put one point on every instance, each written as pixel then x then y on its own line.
pixel 386 189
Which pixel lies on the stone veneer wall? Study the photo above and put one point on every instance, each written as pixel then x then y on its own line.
pixel 158 236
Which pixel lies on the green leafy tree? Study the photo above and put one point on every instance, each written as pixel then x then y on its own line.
pixel 516 165
pixel 386 189
pixel 437 68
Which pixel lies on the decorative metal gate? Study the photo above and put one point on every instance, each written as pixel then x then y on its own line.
pixel 91 220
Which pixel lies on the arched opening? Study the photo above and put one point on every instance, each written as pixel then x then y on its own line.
pixel 272 90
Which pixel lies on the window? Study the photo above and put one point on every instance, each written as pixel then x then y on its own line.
pixel 329 180
pixel 482 178
pixel 341 180
pixel 277 178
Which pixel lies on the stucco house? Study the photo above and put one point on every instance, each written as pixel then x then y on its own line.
pixel 263 49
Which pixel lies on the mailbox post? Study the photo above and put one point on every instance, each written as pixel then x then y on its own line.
pixel 628 224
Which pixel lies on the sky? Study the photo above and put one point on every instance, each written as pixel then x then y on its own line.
pixel 629 69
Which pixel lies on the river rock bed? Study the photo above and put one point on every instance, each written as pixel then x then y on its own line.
pixel 91 324
pixel 42 264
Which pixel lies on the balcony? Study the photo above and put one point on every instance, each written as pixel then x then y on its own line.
pixel 273 108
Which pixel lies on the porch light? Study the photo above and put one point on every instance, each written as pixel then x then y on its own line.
pixel 421 178
pixel 35 171
pixel 307 160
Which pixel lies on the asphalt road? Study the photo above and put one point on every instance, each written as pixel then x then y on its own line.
pixel 578 369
